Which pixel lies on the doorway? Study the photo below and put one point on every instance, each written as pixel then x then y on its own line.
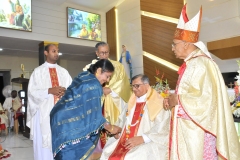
pixel 4 81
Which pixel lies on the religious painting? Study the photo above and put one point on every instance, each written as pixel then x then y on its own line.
pixel 83 25
pixel 16 14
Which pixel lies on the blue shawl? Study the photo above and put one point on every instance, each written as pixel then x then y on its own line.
pixel 76 119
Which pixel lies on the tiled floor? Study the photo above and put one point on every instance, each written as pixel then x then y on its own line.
pixel 19 146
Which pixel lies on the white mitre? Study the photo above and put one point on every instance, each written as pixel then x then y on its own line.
pixel 188 30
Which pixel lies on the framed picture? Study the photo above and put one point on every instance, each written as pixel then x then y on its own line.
pixel 16 14
pixel 84 25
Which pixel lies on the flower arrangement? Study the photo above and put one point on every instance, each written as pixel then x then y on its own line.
pixel 161 86
pixel 88 66
pixel 236 104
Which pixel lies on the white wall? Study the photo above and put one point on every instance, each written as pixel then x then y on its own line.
pixel 130 33
pixel 49 23
pixel 220 20
pixel 75 67
pixel 13 63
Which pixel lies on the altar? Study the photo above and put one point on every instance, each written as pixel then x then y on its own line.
pixel 231 94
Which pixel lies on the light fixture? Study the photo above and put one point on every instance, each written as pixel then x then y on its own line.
pixel 161 17
pixel 59 53
pixel 161 61
pixel 1 49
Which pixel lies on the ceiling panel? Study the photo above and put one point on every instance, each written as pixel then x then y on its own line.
pixel 29 48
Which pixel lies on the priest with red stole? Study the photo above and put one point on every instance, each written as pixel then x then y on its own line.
pixel 145 126
pixel 47 84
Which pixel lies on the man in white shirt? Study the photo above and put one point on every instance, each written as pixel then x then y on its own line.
pixel 4 120
pixel 8 105
pixel 145 133
pixel 47 84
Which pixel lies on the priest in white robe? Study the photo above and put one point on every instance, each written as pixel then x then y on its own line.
pixel 4 120
pixel 47 84
pixel 8 105
pixel 145 133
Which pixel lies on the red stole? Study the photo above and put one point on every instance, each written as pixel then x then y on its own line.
pixel 54 80
pixel 103 135
pixel 120 151
pixel 17 113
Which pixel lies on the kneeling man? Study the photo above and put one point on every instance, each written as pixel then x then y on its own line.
pixel 146 126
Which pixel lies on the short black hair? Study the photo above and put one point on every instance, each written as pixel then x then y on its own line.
pixel 14 91
pixel 144 78
pixel 46 48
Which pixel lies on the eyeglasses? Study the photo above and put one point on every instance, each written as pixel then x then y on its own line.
pixel 174 44
pixel 136 85
pixel 104 53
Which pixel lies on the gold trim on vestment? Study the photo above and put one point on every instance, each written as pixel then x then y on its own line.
pixel 154 103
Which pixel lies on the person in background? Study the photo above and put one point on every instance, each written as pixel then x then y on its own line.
pixel 126 60
pixel 202 125
pixel 9 104
pixel 17 113
pixel 3 120
pixel 76 120
pixel 3 152
pixel 83 32
pixel 10 11
pixel 19 15
pixel 47 84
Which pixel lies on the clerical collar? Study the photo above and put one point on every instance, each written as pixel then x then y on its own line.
pixel 142 98
pixel 51 65
pixel 190 55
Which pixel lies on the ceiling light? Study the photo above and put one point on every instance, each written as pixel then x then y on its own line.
pixel 161 61
pixel 161 17
pixel 59 53
pixel 1 49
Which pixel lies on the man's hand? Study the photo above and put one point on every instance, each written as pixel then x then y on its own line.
pixel 166 104
pixel 133 142
pixel 172 100
pixel 57 91
pixel 106 90
pixel 114 130
pixel 117 136
pixel 11 109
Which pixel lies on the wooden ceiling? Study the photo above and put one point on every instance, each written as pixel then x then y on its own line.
pixel 226 48
pixel 111 33
pixel 150 67
pixel 157 36
pixel 170 8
